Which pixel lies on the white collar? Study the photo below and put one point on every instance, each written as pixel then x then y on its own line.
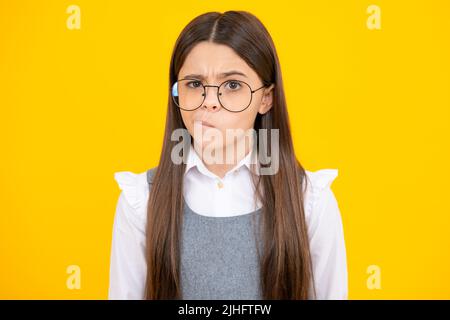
pixel 193 160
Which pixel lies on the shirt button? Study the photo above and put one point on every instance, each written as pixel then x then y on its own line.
pixel 220 184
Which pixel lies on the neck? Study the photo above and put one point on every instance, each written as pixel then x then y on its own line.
pixel 221 169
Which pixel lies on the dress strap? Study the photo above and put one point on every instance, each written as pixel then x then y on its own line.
pixel 150 175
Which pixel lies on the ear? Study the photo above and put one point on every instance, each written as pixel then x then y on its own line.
pixel 267 99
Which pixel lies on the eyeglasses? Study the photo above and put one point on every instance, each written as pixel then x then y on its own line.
pixel 233 95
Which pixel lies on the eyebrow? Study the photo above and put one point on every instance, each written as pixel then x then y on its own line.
pixel 220 76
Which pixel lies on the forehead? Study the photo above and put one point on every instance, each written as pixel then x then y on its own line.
pixel 211 59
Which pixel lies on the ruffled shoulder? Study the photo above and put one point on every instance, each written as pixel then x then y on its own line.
pixel 318 184
pixel 135 190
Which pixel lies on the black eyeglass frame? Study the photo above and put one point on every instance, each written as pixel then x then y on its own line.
pixel 218 95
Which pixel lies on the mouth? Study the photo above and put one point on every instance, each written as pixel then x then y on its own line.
pixel 206 124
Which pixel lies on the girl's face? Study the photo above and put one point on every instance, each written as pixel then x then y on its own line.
pixel 208 61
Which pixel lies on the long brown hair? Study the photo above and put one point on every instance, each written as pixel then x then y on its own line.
pixel 286 268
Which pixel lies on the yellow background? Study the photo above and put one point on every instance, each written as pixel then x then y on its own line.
pixel 78 105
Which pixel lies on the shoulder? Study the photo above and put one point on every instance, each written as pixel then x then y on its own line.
pixel 318 195
pixel 134 194
pixel 326 237
pixel 319 181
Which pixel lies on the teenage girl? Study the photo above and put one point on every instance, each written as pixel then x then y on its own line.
pixel 240 229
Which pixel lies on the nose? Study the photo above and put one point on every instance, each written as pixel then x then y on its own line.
pixel 211 101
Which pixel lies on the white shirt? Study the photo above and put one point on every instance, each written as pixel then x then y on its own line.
pixel 228 196
pixel 128 267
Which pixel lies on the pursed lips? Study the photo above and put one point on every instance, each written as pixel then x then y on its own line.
pixel 205 123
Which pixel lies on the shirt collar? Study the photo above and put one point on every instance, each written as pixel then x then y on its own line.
pixel 250 161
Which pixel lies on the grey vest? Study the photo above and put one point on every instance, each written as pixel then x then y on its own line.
pixel 219 257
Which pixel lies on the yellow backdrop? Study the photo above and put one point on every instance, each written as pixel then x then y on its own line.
pixel 83 94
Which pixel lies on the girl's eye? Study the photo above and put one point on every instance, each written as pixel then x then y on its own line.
pixel 233 85
pixel 194 84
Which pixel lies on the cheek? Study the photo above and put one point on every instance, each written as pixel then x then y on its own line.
pixel 187 120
